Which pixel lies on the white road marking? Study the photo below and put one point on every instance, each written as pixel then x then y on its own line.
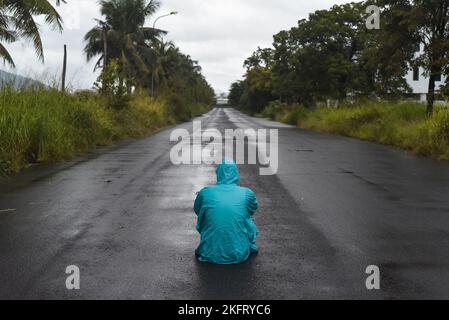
pixel 7 210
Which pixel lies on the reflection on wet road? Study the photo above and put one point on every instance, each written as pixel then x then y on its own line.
pixel 124 216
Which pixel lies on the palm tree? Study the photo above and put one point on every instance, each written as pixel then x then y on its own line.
pixel 17 21
pixel 171 64
pixel 165 54
pixel 122 36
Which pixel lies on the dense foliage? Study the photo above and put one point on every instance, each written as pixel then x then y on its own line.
pixel 143 60
pixel 332 56
pixel 45 124
pixel 133 57
pixel 402 124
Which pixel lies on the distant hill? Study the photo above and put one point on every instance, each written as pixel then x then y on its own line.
pixel 17 81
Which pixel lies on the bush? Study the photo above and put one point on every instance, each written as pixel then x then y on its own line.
pixel 283 112
pixel 47 125
pixel 402 124
pixel 273 109
pixel 293 115
pixel 181 108
pixel 438 133
pixel 177 107
pixel 143 114
pixel 112 88
pixel 198 109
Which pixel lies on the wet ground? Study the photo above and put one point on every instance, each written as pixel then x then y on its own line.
pixel 124 216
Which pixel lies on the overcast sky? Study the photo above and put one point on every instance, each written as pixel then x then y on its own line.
pixel 220 34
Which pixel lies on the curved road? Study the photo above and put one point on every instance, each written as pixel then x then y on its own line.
pixel 124 216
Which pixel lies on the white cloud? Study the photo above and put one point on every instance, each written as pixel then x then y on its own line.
pixel 219 34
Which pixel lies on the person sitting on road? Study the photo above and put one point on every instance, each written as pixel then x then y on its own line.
pixel 225 219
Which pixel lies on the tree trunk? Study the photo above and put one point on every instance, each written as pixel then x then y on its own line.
pixel 105 48
pixel 105 55
pixel 64 68
pixel 431 94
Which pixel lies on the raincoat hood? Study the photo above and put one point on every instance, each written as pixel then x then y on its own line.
pixel 228 173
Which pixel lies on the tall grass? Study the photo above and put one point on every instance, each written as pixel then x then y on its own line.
pixel 403 124
pixel 45 125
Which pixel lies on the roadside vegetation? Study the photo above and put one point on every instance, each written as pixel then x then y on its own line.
pixel 402 124
pixel 145 84
pixel 48 125
pixel 333 74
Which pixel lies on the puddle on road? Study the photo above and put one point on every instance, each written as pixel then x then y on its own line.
pixel 175 195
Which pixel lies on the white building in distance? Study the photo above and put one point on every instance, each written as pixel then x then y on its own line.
pixel 420 82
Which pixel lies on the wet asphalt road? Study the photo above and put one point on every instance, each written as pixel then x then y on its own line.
pixel 124 216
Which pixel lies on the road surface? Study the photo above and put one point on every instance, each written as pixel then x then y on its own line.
pixel 124 216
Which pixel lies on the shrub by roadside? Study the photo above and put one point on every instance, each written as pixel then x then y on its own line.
pixel 402 124
pixel 46 125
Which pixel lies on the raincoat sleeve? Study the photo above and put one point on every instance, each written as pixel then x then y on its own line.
pixel 198 203
pixel 251 202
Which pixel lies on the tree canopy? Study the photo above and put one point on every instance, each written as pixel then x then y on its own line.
pixel 141 55
pixel 332 55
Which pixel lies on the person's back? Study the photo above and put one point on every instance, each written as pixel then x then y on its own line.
pixel 228 232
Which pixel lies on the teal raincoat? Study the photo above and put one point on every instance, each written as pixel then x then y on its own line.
pixel 225 223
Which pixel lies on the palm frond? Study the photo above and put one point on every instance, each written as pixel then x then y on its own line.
pixel 6 57
pixel 19 15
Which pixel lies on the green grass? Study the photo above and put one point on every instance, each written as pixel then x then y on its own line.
pixel 45 125
pixel 403 124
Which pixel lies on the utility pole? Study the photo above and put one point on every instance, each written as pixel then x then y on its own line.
pixel 154 60
pixel 64 68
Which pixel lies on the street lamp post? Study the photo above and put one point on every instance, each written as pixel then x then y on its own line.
pixel 154 60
